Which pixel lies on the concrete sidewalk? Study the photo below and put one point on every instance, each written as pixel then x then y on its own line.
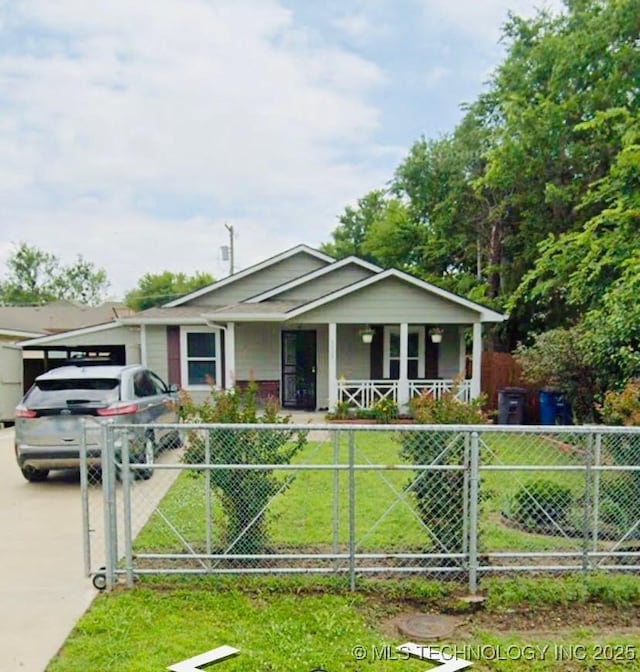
pixel 42 588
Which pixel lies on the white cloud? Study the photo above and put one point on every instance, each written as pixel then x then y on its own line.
pixel 435 75
pixel 481 19
pixel 225 101
pixel 358 27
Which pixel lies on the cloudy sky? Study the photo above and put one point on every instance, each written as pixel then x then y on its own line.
pixel 131 131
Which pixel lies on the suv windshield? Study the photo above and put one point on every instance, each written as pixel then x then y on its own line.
pixel 53 393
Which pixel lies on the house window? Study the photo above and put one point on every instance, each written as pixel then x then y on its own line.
pixel 200 357
pixel 415 352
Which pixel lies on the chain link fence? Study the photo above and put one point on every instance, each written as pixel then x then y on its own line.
pixel 457 501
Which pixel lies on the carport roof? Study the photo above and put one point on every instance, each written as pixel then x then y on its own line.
pixel 58 316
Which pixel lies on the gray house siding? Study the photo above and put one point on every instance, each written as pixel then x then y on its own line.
pixel 449 355
pixel 156 350
pixel 260 281
pixel 391 301
pixel 353 357
pixel 257 351
pixel 325 284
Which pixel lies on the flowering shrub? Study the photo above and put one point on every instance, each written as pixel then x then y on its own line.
pixel 385 410
pixel 447 410
pixel 622 408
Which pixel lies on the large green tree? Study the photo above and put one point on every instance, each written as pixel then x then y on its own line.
pixel 508 208
pixel 35 277
pixel 156 289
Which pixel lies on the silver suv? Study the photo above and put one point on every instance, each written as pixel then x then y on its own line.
pixel 48 420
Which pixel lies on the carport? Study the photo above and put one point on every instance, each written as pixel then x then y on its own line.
pixel 121 344
pixel 51 356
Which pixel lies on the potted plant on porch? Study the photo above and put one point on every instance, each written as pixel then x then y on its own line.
pixel 436 334
pixel 366 334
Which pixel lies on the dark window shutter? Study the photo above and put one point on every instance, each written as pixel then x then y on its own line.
pixel 173 356
pixel 376 353
pixel 432 350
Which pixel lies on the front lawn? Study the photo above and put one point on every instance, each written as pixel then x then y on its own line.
pixel 304 625
pixel 312 511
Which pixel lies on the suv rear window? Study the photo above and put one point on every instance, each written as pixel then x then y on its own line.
pixel 52 393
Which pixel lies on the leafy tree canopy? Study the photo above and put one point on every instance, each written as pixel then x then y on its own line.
pixel 35 277
pixel 156 289
pixel 531 203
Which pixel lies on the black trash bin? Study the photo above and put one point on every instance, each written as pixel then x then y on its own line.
pixel 511 402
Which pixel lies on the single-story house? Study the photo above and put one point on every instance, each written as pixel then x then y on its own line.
pixel 311 331
pixel 19 367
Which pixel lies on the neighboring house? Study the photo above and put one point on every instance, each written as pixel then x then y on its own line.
pixel 295 323
pixel 18 365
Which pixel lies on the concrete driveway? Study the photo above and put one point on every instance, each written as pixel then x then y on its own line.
pixel 42 588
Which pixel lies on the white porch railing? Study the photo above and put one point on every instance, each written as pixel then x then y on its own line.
pixel 436 388
pixel 366 393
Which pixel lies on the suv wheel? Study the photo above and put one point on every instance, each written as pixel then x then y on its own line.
pixel 34 475
pixel 147 457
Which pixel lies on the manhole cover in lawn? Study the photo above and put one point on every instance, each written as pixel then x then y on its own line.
pixel 426 627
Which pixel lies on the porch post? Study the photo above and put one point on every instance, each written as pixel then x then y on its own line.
pixel 333 365
pixel 462 352
pixel 230 356
pixel 403 378
pixel 476 364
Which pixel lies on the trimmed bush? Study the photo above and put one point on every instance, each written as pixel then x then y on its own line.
pixel 541 503
pixel 244 493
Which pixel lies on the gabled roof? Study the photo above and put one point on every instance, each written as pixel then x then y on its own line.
pixel 19 333
pixel 57 316
pixel 281 311
pixel 486 314
pixel 248 271
pixel 62 335
pixel 296 282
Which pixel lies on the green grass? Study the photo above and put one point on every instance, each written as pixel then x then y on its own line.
pixel 303 514
pixel 307 623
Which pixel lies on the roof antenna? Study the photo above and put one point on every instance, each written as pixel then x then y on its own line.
pixel 227 250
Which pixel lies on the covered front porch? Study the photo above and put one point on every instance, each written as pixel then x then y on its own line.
pixel 402 361
pixel 322 366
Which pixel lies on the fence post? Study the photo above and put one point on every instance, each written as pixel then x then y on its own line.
pixel 335 523
pixel 465 491
pixel 352 512
pixel 587 502
pixel 108 503
pixel 125 475
pixel 474 478
pixel 207 494
pixel 597 460
pixel 84 495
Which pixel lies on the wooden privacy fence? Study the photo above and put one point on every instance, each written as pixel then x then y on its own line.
pixel 500 370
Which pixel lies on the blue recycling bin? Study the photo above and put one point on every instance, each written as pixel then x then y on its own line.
pixel 554 408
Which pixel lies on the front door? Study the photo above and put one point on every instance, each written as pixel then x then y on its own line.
pixel 299 369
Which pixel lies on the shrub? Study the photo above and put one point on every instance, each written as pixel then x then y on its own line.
pixel 620 495
pixel 244 493
pixel 541 503
pixel 559 358
pixel 385 410
pixel 341 411
pixel 447 409
pixel 439 495
pixel 622 408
